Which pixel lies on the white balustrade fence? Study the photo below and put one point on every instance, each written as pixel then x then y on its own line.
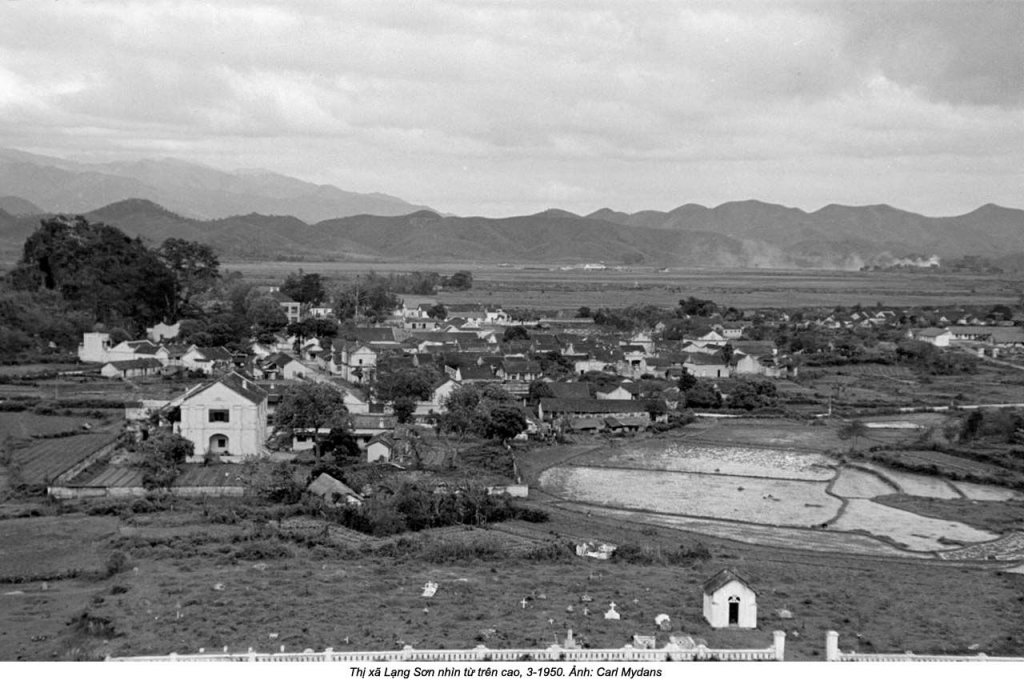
pixel 481 653
pixel 833 653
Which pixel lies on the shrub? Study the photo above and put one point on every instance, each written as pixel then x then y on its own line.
pixel 116 562
pixel 263 550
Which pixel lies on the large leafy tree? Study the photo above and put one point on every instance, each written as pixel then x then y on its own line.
pixel 305 288
pixel 97 269
pixel 392 381
pixel 313 407
pixel 265 316
pixel 162 457
pixel 370 297
pixel 484 410
pixel 195 268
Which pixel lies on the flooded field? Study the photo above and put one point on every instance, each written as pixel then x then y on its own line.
pixel 758 494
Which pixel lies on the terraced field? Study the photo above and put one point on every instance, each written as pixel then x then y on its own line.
pixel 744 499
pixel 765 495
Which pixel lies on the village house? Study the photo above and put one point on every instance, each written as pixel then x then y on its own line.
pixel 227 418
pixel 280 366
pixel 549 409
pixel 292 309
pixel 354 361
pixel 132 368
pixel 206 359
pixel 706 365
pixel 438 396
pixel 1006 337
pixel 634 361
pixel 622 391
pixel 381 448
pixel 939 337
pixel 98 348
pixel 333 492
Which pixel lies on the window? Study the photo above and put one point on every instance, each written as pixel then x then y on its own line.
pixel 220 416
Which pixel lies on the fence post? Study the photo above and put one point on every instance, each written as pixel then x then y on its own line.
pixel 780 645
pixel 328 654
pixel 832 652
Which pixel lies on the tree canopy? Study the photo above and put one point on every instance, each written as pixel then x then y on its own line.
pixel 98 269
pixel 484 410
pixel 307 289
pixel 194 266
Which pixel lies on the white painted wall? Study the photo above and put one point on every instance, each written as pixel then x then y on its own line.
pixel 716 606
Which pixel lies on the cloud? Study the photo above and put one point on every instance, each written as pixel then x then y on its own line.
pixel 633 105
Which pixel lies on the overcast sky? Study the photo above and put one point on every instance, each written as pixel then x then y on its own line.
pixel 498 108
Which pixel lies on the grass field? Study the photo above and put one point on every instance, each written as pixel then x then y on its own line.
pixel 552 288
pixel 217 587
pixel 35 548
pixel 25 424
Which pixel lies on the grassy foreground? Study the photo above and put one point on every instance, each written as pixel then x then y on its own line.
pixel 187 585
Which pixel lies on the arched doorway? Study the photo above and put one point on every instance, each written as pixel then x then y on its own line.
pixel 218 443
pixel 734 610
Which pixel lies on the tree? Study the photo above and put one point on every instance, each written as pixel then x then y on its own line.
pixel 162 455
pixel 370 297
pixel 311 407
pixel 470 409
pixel 703 395
pixel 195 268
pixel 404 408
pixel 753 394
pixel 853 430
pixel 265 316
pixel 687 380
pixel 505 422
pixel 97 269
pixel 392 381
pixel 692 306
pixel 460 280
pixel 539 389
pixel 341 445
pixel 438 311
pixel 515 333
pixel 307 289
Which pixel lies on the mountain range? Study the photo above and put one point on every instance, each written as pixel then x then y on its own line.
pixel 190 189
pixel 278 217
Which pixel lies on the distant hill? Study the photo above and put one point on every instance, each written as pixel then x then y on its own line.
pixel 15 205
pixel 259 215
pixel 60 185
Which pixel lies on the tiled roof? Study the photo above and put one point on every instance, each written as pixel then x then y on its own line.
pixel 593 406
pixel 236 383
pixel 720 579
pixel 134 363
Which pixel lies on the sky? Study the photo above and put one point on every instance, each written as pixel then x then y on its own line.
pixel 488 107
